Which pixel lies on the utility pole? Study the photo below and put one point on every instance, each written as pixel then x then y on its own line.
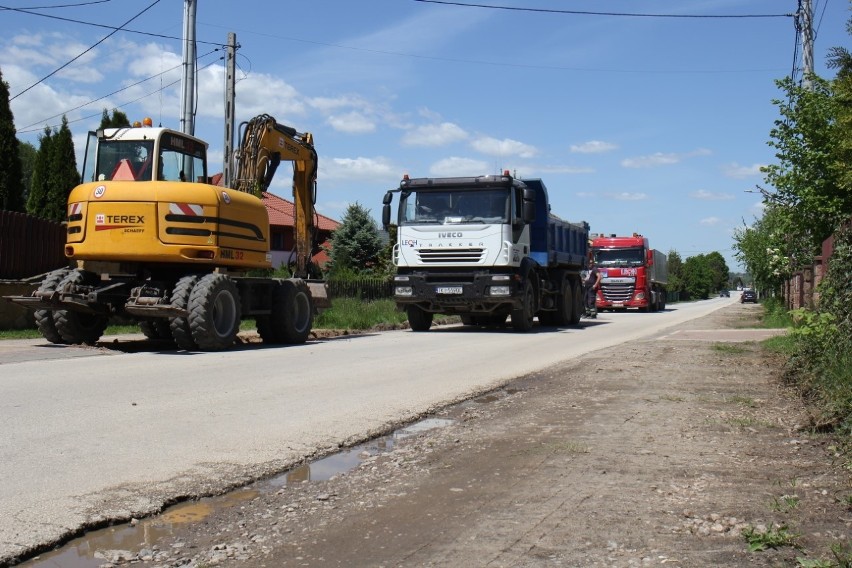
pixel 230 103
pixel 805 23
pixel 187 96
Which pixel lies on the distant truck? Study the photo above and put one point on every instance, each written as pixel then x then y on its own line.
pixel 485 248
pixel 633 274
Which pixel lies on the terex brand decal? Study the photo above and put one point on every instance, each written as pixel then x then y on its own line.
pixel 130 223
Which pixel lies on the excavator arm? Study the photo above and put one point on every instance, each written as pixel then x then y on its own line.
pixel 265 144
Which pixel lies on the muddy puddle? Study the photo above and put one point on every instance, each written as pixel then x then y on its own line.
pixel 139 539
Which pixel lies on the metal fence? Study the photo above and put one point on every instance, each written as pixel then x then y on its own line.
pixel 361 288
pixel 29 246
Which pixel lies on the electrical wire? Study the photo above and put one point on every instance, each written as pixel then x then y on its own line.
pixel 66 111
pixel 589 13
pixel 82 22
pixel 136 100
pixel 75 5
pixel 87 50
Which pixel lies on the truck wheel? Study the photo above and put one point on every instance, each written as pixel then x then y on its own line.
pixel 292 314
pixel 418 319
pixel 44 318
pixel 79 327
pixel 179 326
pixel 156 329
pixel 565 304
pixel 214 312
pixel 579 302
pixel 522 318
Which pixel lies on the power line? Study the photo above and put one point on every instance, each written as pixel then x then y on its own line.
pixel 75 58
pixel 29 128
pixel 589 13
pixel 75 5
pixel 82 22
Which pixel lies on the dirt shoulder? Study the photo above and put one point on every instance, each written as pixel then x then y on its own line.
pixel 657 452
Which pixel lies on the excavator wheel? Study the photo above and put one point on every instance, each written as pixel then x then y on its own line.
pixel 179 326
pixel 79 327
pixel 44 318
pixel 214 312
pixel 292 314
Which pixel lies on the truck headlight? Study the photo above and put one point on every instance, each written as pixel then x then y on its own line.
pixel 499 290
pixel 404 291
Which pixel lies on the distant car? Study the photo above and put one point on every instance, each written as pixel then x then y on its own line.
pixel 724 294
pixel 748 296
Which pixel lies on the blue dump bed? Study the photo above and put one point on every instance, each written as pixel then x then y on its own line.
pixel 555 242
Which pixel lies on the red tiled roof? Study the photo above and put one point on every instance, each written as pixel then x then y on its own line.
pixel 281 213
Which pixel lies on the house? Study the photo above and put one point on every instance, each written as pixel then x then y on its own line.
pixel 281 228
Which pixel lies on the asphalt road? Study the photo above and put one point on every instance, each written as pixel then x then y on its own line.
pixel 107 433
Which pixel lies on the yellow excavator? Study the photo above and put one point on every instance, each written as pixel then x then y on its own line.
pixel 151 239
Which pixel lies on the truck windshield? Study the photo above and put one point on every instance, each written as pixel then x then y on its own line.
pixel 620 257
pixel 449 206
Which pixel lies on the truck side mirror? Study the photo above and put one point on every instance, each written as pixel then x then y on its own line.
pixel 528 206
pixel 386 209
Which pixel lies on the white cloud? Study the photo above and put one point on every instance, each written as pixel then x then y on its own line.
pixel 358 168
pixel 454 166
pixel 593 147
pixel 351 123
pixel 736 171
pixel 658 159
pixel 627 196
pixel 662 159
pixel 585 194
pixel 705 195
pixel 504 148
pixel 434 135
pixel 710 221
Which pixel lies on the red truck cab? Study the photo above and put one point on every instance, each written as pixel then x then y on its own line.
pixel 633 275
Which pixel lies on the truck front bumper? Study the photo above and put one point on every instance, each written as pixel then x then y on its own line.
pixel 451 293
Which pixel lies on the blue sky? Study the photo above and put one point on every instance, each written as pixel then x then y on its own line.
pixel 656 125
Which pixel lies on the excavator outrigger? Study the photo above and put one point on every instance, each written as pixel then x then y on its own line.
pixel 150 239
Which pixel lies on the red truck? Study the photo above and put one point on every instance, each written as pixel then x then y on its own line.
pixel 633 274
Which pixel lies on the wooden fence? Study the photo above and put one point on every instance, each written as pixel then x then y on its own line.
pixel 29 246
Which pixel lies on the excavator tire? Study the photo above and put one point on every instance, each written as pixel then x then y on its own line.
pixel 522 317
pixel 44 318
pixel 292 314
pixel 418 319
pixel 214 312
pixel 78 327
pixel 179 327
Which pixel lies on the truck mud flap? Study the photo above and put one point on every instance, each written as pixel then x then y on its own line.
pixel 319 294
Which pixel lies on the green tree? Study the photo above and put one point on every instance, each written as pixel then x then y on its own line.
pixel 63 173
pixel 675 267
pixel 766 248
pixel 807 174
pixel 719 272
pixel 355 244
pixel 11 180
pixel 40 185
pixel 117 120
pixel 27 153
pixel 697 277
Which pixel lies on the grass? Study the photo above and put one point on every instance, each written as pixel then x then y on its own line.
pixel 772 537
pixel 730 348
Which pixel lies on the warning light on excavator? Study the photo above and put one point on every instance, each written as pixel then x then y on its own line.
pixel 405 177
pixel 147 121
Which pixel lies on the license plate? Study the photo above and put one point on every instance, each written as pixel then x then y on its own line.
pixel 448 289
pixel 618 304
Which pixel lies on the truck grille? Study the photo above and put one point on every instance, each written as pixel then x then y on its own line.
pixel 618 292
pixel 438 256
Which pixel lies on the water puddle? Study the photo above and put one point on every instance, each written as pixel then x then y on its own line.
pixel 139 539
